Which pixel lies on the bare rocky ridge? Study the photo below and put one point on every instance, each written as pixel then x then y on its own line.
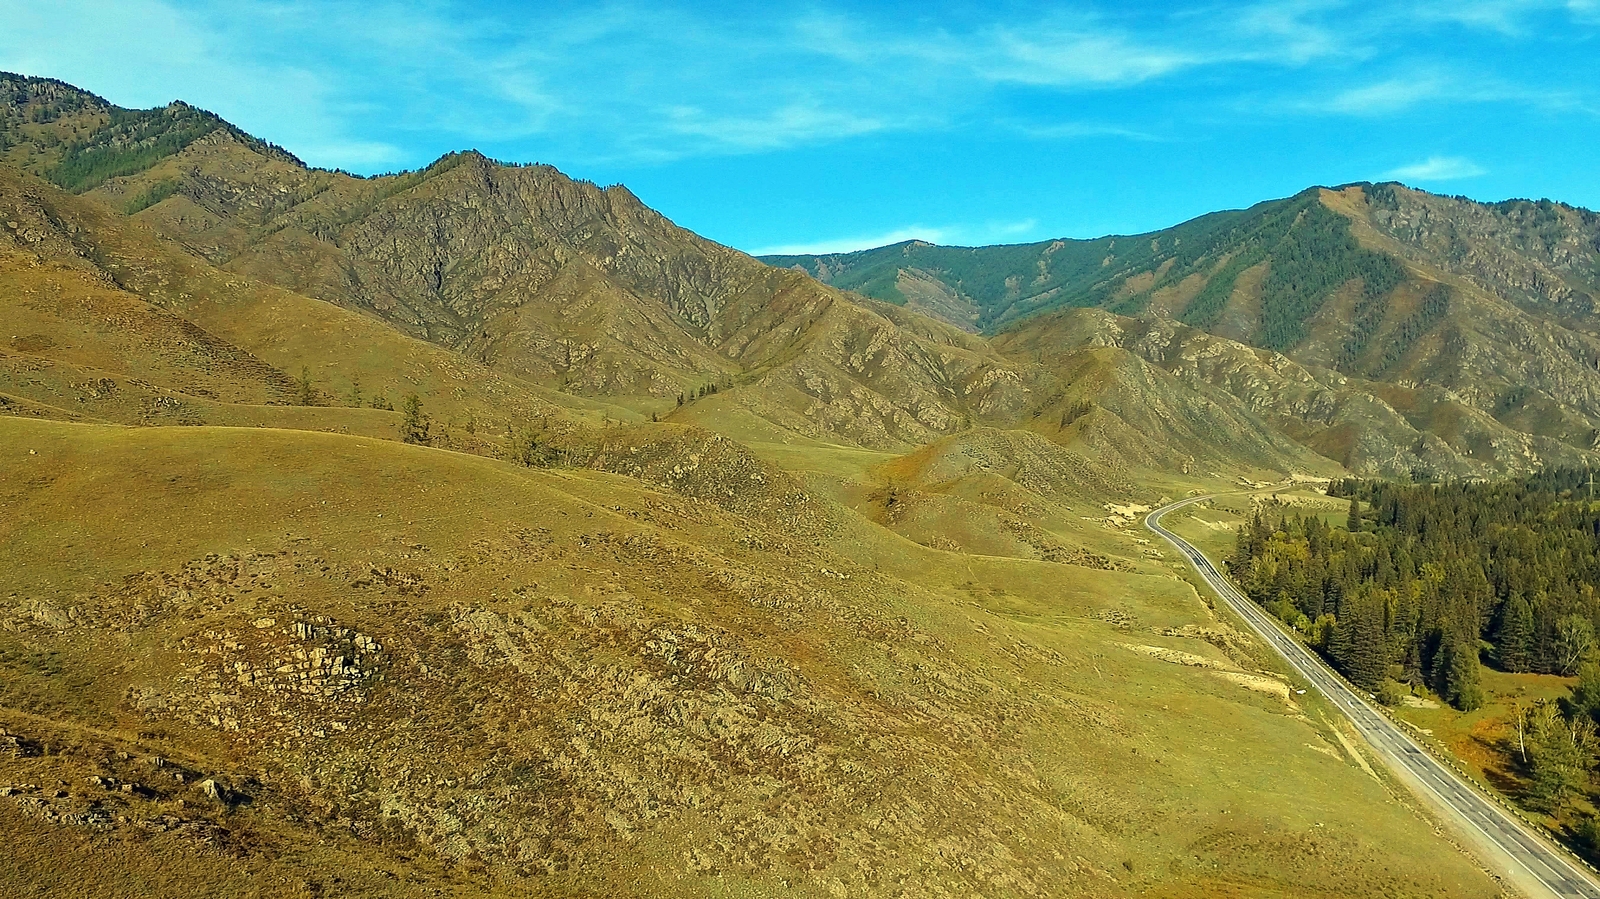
pixel 589 291
pixel 1363 425
pixel 1542 255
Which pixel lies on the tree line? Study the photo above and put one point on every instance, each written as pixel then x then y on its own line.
pixel 1370 313
pixel 1425 581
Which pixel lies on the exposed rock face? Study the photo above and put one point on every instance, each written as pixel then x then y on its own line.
pixel 1150 412
pixel 697 463
pixel 15 746
pixel 1361 424
pixel 1541 255
pixel 284 674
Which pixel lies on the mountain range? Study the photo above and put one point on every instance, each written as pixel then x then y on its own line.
pixel 1418 333
pixel 1383 329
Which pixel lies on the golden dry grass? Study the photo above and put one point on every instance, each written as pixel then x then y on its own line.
pixel 866 715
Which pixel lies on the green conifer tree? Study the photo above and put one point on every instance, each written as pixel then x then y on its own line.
pixel 305 392
pixel 1585 698
pixel 1514 639
pixel 1359 644
pixel 414 424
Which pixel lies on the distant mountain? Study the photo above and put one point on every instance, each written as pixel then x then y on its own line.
pixel 1423 302
pixel 983 288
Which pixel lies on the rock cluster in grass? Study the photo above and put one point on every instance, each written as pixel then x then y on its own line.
pixel 281 673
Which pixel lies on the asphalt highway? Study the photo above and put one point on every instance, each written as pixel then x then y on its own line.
pixel 1505 844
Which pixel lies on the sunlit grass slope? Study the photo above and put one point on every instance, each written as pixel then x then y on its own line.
pixel 410 669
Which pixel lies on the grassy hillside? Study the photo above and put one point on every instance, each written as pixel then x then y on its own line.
pixel 706 579
pixel 110 323
pixel 407 669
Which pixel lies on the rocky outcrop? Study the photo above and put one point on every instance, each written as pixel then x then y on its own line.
pixel 1360 424
pixel 1542 255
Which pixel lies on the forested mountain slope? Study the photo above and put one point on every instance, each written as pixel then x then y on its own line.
pixel 1428 304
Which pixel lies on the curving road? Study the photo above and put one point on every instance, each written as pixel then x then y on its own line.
pixel 1525 860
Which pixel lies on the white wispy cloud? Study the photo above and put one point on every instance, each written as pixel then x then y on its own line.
pixel 1025 227
pixel 1512 18
pixel 1075 58
pixel 1436 87
pixel 786 126
pixel 1384 97
pixel 851 244
pixel 1056 130
pixel 948 235
pixel 1289 31
pixel 1437 168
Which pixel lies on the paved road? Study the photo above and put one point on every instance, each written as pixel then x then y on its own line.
pixel 1525 860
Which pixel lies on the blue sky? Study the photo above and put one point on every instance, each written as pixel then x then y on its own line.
pixel 830 126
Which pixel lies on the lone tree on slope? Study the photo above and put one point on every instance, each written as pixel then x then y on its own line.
pixel 305 393
pixel 414 424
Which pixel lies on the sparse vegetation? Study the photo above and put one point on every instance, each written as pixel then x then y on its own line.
pixel 151 195
pixel 531 446
pixel 305 390
pixel 1370 315
pixel 1075 411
